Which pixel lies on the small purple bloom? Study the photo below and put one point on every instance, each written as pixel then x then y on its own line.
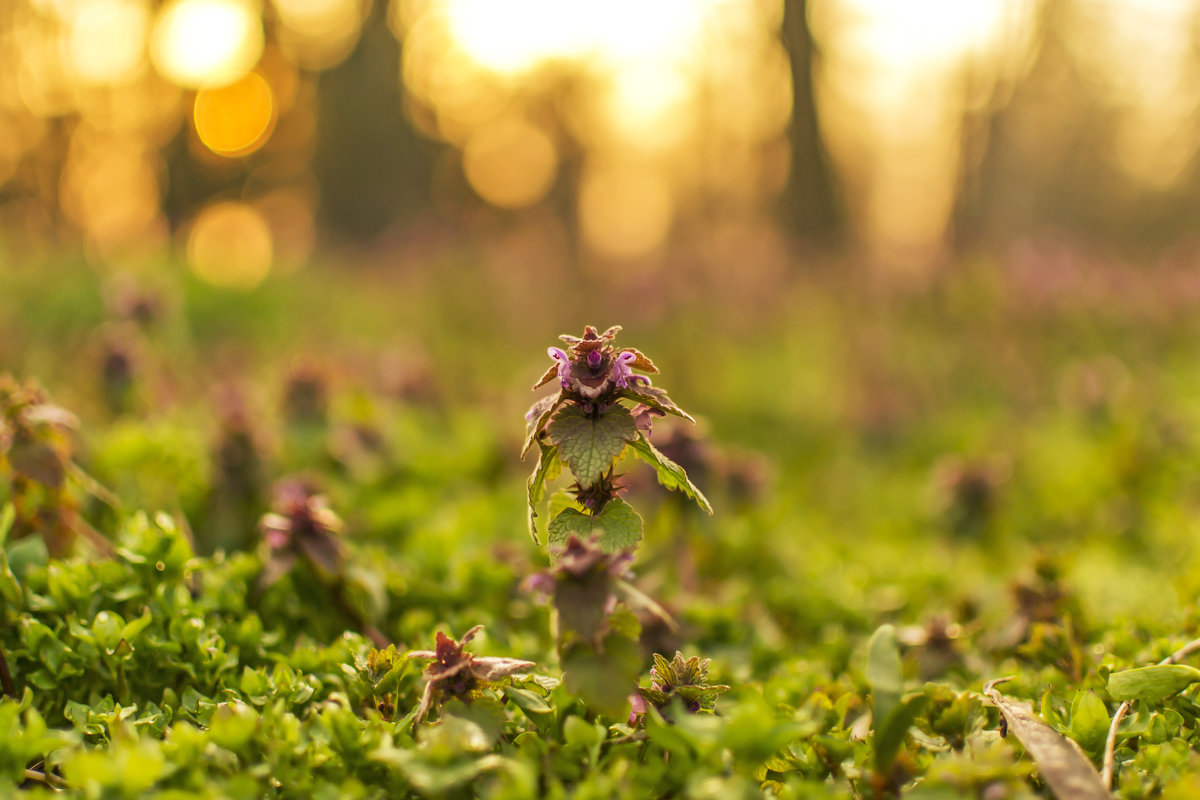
pixel 594 358
pixel 622 375
pixel 564 365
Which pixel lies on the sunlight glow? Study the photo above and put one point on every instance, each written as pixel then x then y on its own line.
pixel 511 163
pixel 518 35
pixel 924 32
pixel 319 33
pixel 625 211
pixel 106 40
pixel 237 119
pixel 230 245
pixel 199 43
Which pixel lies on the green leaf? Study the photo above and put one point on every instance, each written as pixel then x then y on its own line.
pixel 134 627
pixel 536 419
pixel 528 701
pixel 605 679
pixel 618 526
pixel 547 469
pixel 1089 721
pixel 884 672
pixel 670 474
pixel 890 732
pixel 1152 683
pixel 1062 765
pixel 7 515
pixel 233 724
pixel 655 398
pixel 591 445
pixel 107 627
pixel 10 587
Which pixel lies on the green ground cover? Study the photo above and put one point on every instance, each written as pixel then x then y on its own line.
pixel 916 491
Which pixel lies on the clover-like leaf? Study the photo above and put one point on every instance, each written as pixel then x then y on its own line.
pixel 670 474
pixel 618 527
pixel 590 445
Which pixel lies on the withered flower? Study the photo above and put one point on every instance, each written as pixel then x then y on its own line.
pixel 457 673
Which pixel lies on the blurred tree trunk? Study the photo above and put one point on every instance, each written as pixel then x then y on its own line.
pixel 1039 154
pixel 811 205
pixel 373 168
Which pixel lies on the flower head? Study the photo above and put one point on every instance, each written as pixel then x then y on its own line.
pixel 457 673
pixel 591 368
pixel 300 525
pixel 686 679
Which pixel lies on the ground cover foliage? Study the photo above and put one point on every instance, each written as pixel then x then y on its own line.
pixel 951 542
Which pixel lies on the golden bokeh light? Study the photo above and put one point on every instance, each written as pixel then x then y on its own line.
pixel 109 187
pixel 237 119
pixel 229 245
pixel 197 43
pixel 625 211
pixel 511 163
pixel 106 40
pixel 517 35
pixel 318 34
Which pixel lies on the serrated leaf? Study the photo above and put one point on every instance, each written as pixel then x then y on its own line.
pixel 655 398
pixel 670 474
pixel 535 419
pixel 1152 683
pixel 547 469
pixel 884 672
pixel 591 445
pixel 618 527
pixel 1060 761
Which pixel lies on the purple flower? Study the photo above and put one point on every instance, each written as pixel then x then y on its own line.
pixel 564 365
pixel 622 375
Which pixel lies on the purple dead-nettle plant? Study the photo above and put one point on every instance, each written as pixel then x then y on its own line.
pixel 583 586
pixel 685 679
pixel 301 526
pixel 302 529
pixel 602 409
pixel 455 673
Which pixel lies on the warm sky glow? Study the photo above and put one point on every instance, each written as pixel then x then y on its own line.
pixel 519 34
pixel 106 40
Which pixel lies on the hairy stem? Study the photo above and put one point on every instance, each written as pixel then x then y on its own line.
pixel 1110 743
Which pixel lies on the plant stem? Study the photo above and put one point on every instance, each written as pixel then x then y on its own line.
pixel 1110 743
pixel 6 679
pixel 338 593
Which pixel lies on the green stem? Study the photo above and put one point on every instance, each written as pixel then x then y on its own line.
pixel 6 679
